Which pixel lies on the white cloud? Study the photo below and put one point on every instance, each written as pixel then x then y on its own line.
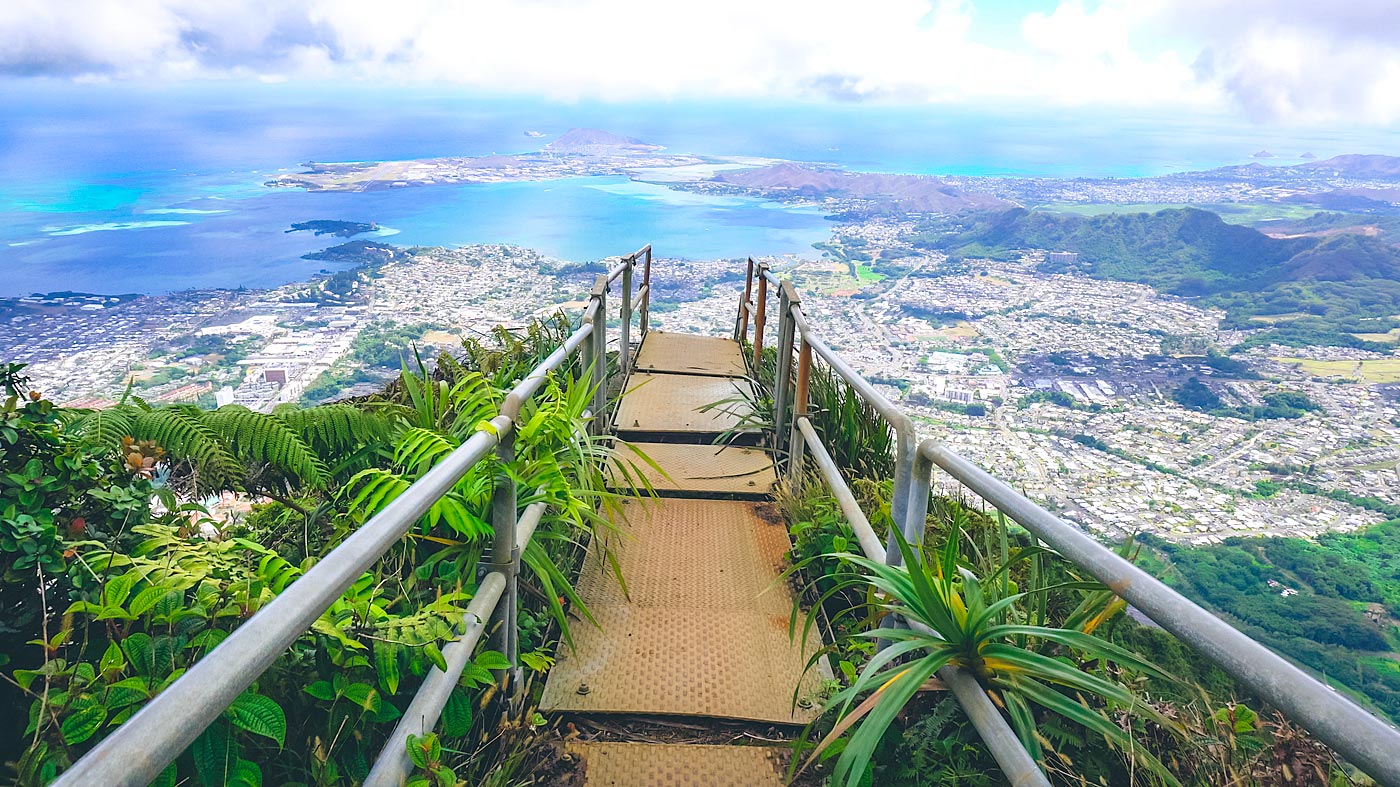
pixel 1277 59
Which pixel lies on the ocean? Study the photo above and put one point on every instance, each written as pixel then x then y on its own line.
pixel 116 190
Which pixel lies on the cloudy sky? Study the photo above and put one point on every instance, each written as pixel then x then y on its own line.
pixel 1269 61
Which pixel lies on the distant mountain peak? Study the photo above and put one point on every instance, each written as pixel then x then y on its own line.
pixel 1359 165
pixel 592 141
pixel 910 192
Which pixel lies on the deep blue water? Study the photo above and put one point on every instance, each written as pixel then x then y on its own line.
pixel 89 175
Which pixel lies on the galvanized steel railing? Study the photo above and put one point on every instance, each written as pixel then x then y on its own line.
pixel 141 748
pixel 1363 739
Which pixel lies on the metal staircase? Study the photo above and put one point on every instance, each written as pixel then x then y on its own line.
pixel 702 630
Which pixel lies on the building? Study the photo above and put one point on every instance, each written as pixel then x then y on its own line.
pixel 1063 257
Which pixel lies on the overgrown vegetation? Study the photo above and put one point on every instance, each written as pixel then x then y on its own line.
pixel 112 586
pixel 1098 698
pixel 1331 604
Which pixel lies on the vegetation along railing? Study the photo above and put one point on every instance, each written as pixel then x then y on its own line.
pixel 1366 741
pixel 140 749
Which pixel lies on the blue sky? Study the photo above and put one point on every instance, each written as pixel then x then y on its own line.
pixel 1275 62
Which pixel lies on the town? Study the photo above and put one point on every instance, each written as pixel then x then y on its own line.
pixel 1059 383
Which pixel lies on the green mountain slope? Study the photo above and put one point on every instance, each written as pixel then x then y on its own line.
pixel 1327 283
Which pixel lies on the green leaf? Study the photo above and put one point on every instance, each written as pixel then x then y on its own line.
pixel 146 599
pixel 139 653
pixel 112 661
pixel 491 660
pixel 321 690
pixel 418 748
pixel 82 724
pixel 245 774
pixel 362 694
pixel 167 777
pixel 457 714
pixel 386 664
pixel 434 655
pixel 117 589
pixel 212 751
pixel 259 715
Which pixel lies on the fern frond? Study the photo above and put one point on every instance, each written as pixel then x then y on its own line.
pixel 265 439
pixel 185 433
pixel 101 428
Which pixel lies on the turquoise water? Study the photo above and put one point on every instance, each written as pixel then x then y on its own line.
pixel 120 190
pixel 230 242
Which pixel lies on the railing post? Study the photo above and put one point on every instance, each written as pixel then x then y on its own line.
pixel 782 395
pixel 800 403
pixel 760 318
pixel 904 452
pixel 505 559
pixel 741 320
pixel 600 355
pixel 624 344
pixel 645 321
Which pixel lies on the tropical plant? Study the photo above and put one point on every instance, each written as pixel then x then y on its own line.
pixel 998 633
pixel 557 462
pixel 275 455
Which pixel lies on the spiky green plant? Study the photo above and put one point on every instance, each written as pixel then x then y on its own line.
pixel 558 462
pixel 987 626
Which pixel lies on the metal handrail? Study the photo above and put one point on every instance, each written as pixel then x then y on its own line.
pixel 394 765
pixel 141 748
pixel 1015 762
pixel 1363 739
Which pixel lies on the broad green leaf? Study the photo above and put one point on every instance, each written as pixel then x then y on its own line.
pixel 139 653
pixel 112 661
pixel 491 660
pixel 212 752
pixel 363 695
pixel 457 714
pixel 259 715
pixel 321 690
pixel 146 599
pixel 386 664
pixel 81 725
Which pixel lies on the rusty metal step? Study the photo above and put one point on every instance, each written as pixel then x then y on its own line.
pixel 692 470
pixel 610 764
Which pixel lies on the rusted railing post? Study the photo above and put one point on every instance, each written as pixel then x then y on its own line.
pixel 782 381
pixel 760 317
pixel 624 342
pixel 645 321
pixel 741 321
pixel 800 404
pixel 600 355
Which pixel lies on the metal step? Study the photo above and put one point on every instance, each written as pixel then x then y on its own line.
pixel 609 764
pixel 690 470
pixel 680 353
pixel 674 405
pixel 703 627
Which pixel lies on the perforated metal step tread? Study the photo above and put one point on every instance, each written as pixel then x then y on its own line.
pixel 703 627
pixel 608 764
pixel 672 404
pixel 695 469
pixel 686 354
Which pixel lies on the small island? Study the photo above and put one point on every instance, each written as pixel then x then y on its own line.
pixel 340 229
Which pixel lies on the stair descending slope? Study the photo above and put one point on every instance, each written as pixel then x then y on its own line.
pixel 702 627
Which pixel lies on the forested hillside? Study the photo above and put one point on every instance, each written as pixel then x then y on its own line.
pixel 1333 605
pixel 1325 284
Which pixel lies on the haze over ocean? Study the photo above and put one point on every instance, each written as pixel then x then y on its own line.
pixel 157 190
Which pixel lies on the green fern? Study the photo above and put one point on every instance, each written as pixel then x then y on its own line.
pixel 234 448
